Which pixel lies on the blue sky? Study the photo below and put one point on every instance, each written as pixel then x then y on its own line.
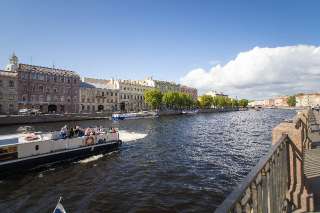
pixel 137 38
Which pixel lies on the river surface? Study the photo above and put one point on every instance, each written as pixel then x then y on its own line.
pixel 179 164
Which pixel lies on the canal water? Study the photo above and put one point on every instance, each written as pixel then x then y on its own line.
pixel 176 164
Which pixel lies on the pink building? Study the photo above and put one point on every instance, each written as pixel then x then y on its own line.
pixel 46 89
pixel 189 90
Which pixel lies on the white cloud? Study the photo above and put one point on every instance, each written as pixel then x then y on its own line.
pixel 262 72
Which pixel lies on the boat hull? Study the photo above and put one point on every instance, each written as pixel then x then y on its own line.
pixel 56 157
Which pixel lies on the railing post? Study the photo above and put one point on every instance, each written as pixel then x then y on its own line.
pixel 254 197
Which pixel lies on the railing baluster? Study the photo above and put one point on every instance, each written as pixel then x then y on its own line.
pixel 254 197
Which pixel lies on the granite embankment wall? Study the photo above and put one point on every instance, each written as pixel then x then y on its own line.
pixel 212 110
pixel 48 118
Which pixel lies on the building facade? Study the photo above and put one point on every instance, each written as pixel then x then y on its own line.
pixel 46 89
pixel 306 100
pixel 269 102
pixel 215 93
pixel 8 92
pixel 281 101
pixel 95 97
pixel 163 86
pixel 189 90
pixel 130 93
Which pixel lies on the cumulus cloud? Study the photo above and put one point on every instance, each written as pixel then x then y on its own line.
pixel 262 72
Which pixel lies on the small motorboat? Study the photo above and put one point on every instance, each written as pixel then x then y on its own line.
pixel 190 112
pixel 134 115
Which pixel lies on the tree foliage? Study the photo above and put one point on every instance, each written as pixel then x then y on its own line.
pixel 153 98
pixel 207 101
pixel 243 103
pixel 171 100
pixel 292 101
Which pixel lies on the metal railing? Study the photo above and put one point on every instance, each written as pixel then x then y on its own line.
pixel 272 182
pixel 264 189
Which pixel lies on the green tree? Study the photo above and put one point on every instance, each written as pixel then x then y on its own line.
pixel 243 103
pixel 153 98
pixel 205 101
pixel 292 101
pixel 234 103
pixel 168 99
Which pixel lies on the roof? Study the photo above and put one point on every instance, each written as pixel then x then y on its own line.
pixel 95 85
pixel 8 73
pixel 29 67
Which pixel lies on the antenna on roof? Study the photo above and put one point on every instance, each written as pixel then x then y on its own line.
pixel 53 66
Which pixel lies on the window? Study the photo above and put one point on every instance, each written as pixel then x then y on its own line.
pixel 68 81
pixel 24 76
pixel 11 83
pixel 1 96
pixel 34 75
pixel 41 98
pixel 0 83
pixel 41 77
pixel 41 88
pixel 102 93
pixel 111 94
pixel 37 147
pixel 62 79
pixel 55 78
pixel 88 108
pixel 55 90
pixel 75 81
pixel 82 107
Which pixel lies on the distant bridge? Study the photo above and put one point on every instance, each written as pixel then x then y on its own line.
pixel 287 179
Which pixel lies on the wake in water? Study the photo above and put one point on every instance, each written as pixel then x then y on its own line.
pixel 95 157
pixel 126 136
pixel 90 159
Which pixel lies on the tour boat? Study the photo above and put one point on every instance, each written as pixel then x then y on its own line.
pixel 190 112
pixel 134 115
pixel 26 151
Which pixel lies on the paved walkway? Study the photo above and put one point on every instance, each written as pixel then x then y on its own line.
pixel 312 161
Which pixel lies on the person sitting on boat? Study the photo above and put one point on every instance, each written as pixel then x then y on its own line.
pixel 79 132
pixel 71 133
pixel 63 132
pixel 87 132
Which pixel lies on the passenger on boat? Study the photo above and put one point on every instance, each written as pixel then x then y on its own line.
pixel 79 132
pixel 64 132
pixel 71 133
pixel 89 132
